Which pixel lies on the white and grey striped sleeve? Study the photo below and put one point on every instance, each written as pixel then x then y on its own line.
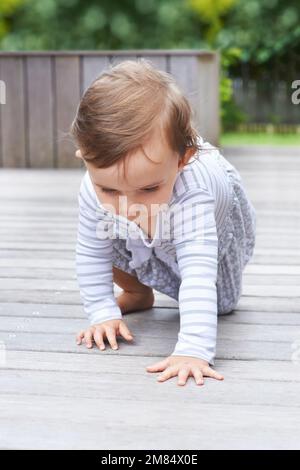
pixel 94 260
pixel 196 242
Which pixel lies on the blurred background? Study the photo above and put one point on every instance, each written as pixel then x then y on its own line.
pixel 259 43
pixel 238 61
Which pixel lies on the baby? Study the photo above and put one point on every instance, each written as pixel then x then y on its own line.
pixel 159 208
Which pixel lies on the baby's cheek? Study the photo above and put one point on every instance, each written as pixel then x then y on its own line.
pixel 108 203
pixel 163 198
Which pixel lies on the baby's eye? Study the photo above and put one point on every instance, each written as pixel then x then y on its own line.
pixel 151 189
pixel 108 190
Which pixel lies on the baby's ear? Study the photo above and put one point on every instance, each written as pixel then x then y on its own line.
pixel 78 154
pixel 184 160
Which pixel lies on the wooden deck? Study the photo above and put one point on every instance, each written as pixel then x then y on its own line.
pixel 55 394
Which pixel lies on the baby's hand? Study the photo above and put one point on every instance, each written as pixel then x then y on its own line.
pixel 99 331
pixel 184 366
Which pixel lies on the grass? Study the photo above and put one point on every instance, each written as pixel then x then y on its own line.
pixel 247 138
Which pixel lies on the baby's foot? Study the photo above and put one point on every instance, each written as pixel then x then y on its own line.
pixel 134 301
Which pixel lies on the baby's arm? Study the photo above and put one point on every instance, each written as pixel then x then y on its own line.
pixel 95 275
pixel 94 260
pixel 196 245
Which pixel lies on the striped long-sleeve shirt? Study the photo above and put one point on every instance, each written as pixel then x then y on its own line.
pixel 198 209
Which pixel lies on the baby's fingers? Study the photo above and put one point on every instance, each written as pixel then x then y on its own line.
pixel 168 373
pixel 209 372
pixel 79 337
pixel 125 332
pixel 198 376
pixel 111 336
pixel 158 366
pixel 88 338
pixel 183 375
pixel 98 337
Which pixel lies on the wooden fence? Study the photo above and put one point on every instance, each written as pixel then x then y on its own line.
pixel 267 100
pixel 43 89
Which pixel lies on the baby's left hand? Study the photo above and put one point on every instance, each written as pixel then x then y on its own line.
pixel 184 366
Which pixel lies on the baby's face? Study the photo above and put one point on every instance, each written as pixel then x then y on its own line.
pixel 146 184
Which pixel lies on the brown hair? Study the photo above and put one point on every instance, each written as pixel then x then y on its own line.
pixel 121 107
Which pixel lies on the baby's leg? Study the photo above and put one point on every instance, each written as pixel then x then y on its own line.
pixel 135 295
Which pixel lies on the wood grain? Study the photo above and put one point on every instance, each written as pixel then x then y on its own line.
pixel 55 394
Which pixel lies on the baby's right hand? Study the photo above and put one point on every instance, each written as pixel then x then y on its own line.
pixel 99 331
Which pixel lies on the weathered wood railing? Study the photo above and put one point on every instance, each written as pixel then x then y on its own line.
pixel 43 89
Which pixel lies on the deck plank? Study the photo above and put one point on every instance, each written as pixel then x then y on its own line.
pixel 55 394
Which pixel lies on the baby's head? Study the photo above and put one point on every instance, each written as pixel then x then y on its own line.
pixel 135 118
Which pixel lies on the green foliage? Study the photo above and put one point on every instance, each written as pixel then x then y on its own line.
pixel 231 114
pixel 211 13
pixel 103 24
pixel 259 138
pixel 262 29
pixel 7 9
pixel 253 31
